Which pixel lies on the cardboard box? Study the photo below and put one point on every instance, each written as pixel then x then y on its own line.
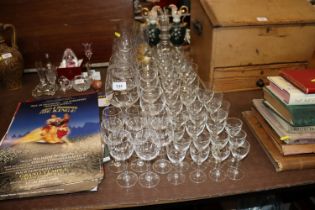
pixel 238 42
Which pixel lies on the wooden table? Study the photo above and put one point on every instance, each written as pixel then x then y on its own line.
pixel 260 174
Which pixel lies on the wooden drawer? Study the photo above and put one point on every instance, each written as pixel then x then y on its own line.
pixel 257 33
pixel 241 78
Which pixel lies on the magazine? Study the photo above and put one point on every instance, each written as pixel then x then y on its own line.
pixel 52 144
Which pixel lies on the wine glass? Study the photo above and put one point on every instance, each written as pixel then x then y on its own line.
pixel 163 127
pixel 239 152
pixel 112 122
pixel 176 156
pixel 147 146
pixel 220 154
pixel 183 144
pixel 135 121
pixel 198 156
pixel 88 54
pixel 122 150
pixel 233 125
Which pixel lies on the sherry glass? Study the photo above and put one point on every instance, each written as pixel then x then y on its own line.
pixel 215 102
pixel 237 140
pixel 198 156
pixel 220 154
pixel 122 150
pixel 88 54
pixel 233 125
pixel 176 156
pixel 147 146
pixel 239 153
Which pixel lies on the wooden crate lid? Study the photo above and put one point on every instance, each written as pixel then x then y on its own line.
pixel 258 12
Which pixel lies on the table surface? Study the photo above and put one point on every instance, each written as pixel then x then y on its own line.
pixel 260 174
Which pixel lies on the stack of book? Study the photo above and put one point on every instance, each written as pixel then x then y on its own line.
pixel 284 120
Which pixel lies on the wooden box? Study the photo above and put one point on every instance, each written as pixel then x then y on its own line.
pixel 237 43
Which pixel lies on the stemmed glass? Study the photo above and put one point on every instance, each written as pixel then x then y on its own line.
pixel 239 152
pixel 112 122
pixel 135 121
pixel 176 156
pixel 233 125
pixel 198 156
pixel 43 88
pixel 220 154
pixel 147 146
pixel 163 127
pixel 183 143
pixel 88 54
pixel 121 149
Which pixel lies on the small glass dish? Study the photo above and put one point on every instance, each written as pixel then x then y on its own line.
pixel 80 83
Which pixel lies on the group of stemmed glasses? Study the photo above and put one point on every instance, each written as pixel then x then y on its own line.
pixel 162 114
pixel 50 82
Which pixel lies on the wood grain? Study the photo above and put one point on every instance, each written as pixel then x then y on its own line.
pixel 51 26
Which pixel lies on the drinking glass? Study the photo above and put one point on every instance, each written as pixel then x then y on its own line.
pixel 112 118
pixel 235 141
pixel 239 153
pixel 80 83
pixel 215 102
pixel 112 121
pixel 198 156
pixel 43 88
pixel 183 144
pixel 135 121
pixel 164 128
pixel 147 146
pixel 65 84
pixel 51 76
pixel 233 125
pixel 205 95
pixel 220 154
pixel 176 156
pixel 122 150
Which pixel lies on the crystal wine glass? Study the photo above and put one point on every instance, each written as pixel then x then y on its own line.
pixel 122 150
pixel 147 146
pixel 176 156
pixel 198 156
pixel 239 153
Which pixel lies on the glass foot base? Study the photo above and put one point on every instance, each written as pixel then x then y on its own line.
pixel 127 179
pixel 149 179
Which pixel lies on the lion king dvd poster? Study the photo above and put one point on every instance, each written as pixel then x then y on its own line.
pixel 51 145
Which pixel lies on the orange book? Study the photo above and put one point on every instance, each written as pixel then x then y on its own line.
pixel 304 79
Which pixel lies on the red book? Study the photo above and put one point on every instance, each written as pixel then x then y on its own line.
pixel 304 79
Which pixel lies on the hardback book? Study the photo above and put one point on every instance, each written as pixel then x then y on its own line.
pixel 52 146
pixel 304 79
pixel 291 136
pixel 288 93
pixel 296 115
pixel 285 148
pixel 279 161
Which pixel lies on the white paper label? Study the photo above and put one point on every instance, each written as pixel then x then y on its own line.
pixel 6 55
pixel 97 75
pixel 78 81
pixel 262 19
pixel 119 86
pixel 104 100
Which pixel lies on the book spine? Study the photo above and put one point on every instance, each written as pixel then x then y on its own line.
pixel 294 82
